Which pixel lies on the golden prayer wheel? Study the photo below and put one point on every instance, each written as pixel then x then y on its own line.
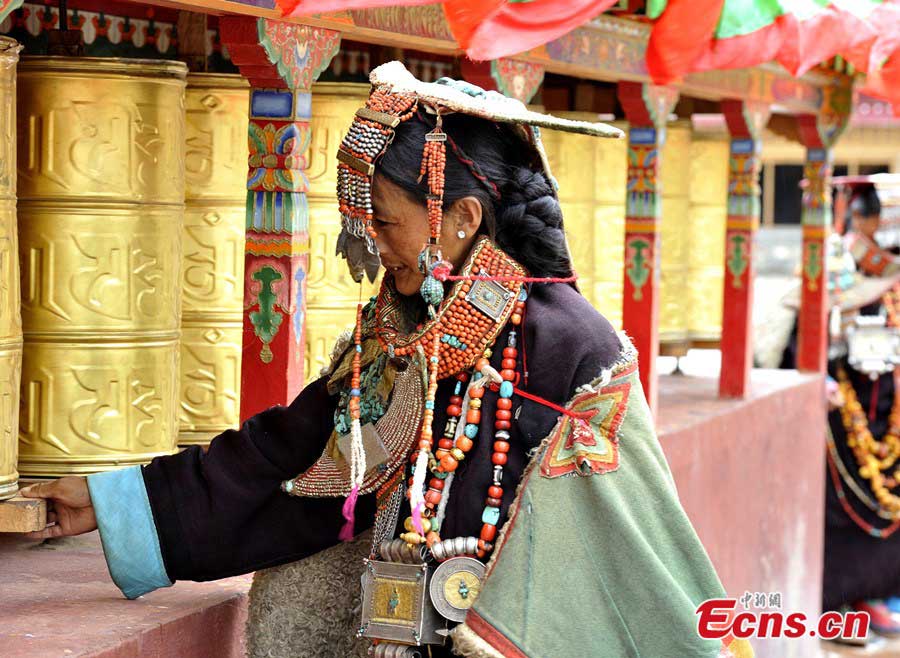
pixel 101 203
pixel 216 110
pixel 572 160
pixel 706 255
pixel 591 174
pixel 611 179
pixel 331 294
pixel 10 316
pixel 675 229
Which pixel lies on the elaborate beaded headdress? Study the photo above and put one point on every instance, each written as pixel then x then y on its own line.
pixel 396 96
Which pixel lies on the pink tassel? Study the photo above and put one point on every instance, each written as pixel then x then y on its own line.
pixel 349 512
pixel 417 518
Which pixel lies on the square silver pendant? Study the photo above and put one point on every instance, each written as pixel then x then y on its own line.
pixel 396 605
pixel 489 297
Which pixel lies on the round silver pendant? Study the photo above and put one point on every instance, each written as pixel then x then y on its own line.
pixel 455 585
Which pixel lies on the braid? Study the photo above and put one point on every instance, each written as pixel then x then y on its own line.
pixel 474 168
pixel 529 224
pixel 494 164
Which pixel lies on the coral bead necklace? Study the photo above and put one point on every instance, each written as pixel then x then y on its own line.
pixel 872 456
pixel 460 432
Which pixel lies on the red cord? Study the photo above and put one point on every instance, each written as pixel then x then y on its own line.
pixel 583 415
pixel 511 279
pixel 868 528
pixel 524 351
pixel 873 401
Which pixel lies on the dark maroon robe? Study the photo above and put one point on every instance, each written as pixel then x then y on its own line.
pixel 222 513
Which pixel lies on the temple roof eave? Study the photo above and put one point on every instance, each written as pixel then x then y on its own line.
pixel 607 49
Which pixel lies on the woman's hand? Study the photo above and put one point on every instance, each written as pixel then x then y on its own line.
pixel 69 508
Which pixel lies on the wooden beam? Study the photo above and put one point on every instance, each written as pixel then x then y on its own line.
pixel 191 29
pixel 607 48
pixel 19 514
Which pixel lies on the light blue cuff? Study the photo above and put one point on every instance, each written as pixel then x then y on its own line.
pixel 127 531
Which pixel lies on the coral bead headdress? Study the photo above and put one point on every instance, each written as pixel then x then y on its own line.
pixel 396 96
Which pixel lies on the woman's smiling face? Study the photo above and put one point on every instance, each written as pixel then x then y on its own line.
pixel 402 227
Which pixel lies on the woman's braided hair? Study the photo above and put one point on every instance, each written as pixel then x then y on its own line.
pixel 493 163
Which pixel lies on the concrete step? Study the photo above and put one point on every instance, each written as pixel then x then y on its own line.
pixel 57 600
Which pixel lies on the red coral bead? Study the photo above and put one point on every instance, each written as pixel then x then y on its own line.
pixel 509 353
pixel 503 414
pixel 498 458
pixel 508 364
pixel 504 403
pixel 495 491
pixel 488 532
pixel 500 425
pixel 501 446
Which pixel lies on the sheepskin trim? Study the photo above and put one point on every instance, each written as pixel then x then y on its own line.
pixel 310 607
pixel 468 643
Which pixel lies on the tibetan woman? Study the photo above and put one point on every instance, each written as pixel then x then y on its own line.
pixel 482 427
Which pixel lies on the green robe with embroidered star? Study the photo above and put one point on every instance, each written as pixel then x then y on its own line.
pixel 619 570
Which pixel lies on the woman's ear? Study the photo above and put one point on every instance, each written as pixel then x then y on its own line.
pixel 466 214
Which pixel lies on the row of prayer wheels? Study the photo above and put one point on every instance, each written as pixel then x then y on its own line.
pixel 131 197
pixel 131 202
pixel 592 174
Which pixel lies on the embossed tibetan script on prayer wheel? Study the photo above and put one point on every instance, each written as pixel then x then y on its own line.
pixel 216 108
pixel 101 206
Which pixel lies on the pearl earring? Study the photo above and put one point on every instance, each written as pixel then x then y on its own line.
pixel 461 234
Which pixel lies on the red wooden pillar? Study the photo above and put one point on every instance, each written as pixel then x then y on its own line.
pixel 745 121
pixel 812 325
pixel 818 133
pixel 276 253
pixel 647 108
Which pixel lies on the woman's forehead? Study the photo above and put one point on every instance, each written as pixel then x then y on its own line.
pixel 390 198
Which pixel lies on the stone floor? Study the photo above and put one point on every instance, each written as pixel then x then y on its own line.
pixel 57 600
